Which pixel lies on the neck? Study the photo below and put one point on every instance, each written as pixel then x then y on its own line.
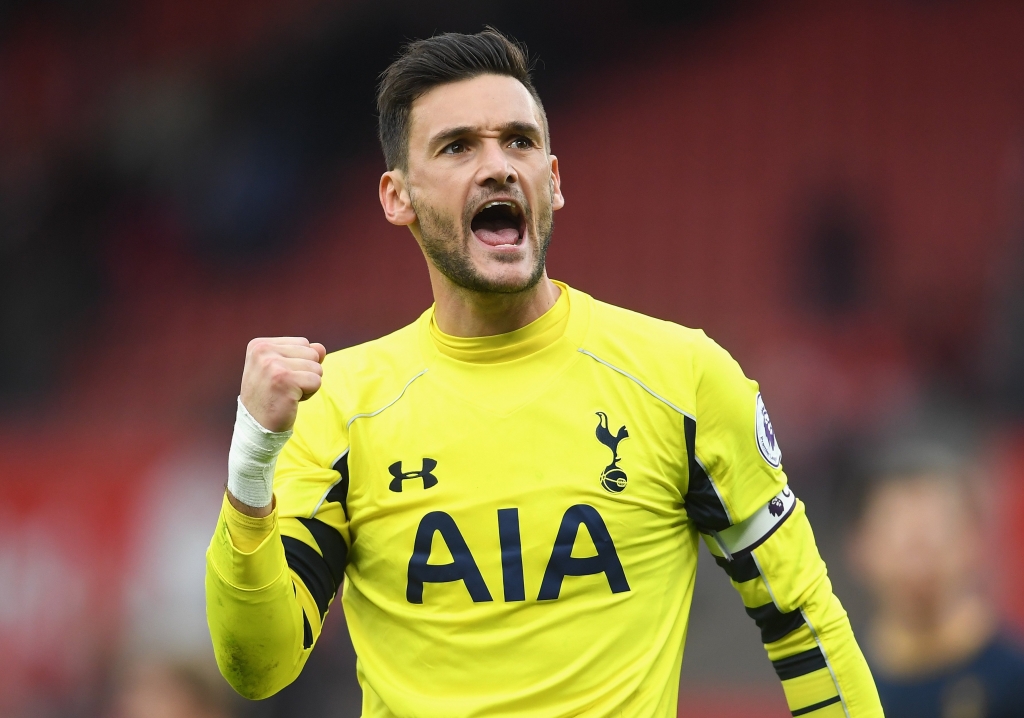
pixel 462 312
pixel 953 634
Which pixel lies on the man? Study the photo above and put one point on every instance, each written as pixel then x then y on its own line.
pixel 920 548
pixel 512 486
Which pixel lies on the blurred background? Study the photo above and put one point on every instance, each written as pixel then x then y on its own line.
pixel 833 191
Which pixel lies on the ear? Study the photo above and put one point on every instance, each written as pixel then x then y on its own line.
pixel 557 200
pixel 394 198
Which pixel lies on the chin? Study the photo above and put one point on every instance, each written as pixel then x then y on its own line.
pixel 506 284
pixel 507 279
pixel 483 269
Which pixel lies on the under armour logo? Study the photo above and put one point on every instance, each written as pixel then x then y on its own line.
pixel 428 478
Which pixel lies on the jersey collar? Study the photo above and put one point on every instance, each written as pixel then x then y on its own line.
pixel 535 336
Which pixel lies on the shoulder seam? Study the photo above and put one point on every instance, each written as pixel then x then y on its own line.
pixel 348 424
pixel 390 403
pixel 639 383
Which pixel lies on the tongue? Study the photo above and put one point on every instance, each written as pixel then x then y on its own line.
pixel 494 237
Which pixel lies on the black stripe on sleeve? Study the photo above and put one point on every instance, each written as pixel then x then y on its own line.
pixel 775 624
pixel 742 568
pixel 332 547
pixel 701 500
pixel 816 706
pixel 799 665
pixel 307 632
pixel 312 570
pixel 339 492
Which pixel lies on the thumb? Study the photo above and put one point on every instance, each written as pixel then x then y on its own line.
pixel 319 350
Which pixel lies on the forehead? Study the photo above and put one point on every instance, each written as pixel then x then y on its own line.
pixel 484 102
pixel 930 496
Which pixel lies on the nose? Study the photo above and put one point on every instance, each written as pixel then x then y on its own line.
pixel 494 166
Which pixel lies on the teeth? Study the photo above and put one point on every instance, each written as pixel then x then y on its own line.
pixel 502 203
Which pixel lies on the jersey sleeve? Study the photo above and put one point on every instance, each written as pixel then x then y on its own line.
pixel 270 581
pixel 757 530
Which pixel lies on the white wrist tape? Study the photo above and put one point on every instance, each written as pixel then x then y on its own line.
pixel 252 458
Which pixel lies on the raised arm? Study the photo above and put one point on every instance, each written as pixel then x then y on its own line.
pixel 274 566
pixel 758 532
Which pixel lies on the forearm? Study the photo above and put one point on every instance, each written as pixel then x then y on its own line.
pixel 846 667
pixel 256 512
pixel 833 665
pixel 805 630
pixel 254 608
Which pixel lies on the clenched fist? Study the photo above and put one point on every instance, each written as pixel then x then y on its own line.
pixel 279 373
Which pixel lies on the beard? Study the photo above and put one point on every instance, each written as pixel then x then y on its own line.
pixel 447 247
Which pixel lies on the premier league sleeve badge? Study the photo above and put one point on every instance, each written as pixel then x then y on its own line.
pixel 767 444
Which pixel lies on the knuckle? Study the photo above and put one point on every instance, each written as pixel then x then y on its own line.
pixel 262 350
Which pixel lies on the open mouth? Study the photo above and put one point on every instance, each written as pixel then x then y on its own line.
pixel 499 223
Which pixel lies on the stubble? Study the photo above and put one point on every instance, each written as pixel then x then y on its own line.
pixel 446 244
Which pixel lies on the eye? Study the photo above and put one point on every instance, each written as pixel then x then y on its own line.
pixel 522 143
pixel 455 148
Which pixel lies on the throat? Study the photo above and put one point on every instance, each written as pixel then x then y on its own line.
pixel 472 314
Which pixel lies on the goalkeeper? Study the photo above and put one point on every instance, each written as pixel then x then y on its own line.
pixel 510 492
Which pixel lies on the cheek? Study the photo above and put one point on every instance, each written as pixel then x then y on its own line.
pixel 440 191
pixel 435 219
pixel 892 544
pixel 963 550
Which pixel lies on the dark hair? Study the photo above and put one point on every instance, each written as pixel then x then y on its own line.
pixel 424 64
pixel 908 462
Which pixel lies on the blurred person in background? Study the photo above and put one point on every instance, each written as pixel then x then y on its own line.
pixel 934 640
pixel 155 689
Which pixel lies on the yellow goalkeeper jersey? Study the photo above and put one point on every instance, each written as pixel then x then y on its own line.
pixel 512 523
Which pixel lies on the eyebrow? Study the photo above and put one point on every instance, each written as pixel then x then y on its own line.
pixel 514 127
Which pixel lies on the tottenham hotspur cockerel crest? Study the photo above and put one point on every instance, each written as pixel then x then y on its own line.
pixel 613 478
